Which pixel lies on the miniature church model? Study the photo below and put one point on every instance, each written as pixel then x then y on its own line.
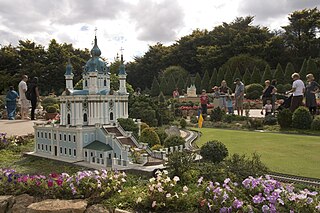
pixel 88 131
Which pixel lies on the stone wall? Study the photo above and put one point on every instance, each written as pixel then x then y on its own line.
pixel 28 204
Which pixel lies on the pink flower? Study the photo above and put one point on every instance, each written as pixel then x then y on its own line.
pixel 154 203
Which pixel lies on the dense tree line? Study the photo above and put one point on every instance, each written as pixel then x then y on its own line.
pixel 239 48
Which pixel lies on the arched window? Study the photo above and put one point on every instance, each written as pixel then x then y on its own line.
pixel 69 119
pixel 111 116
pixel 85 83
pixel 85 117
pixel 105 82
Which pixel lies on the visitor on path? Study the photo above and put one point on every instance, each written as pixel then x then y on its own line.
pixel 312 87
pixel 224 92
pixel 239 95
pixel 229 104
pixel 297 91
pixel 204 101
pixel 268 93
pixel 217 99
pixel 267 108
pixel 11 103
pixel 274 97
pixel 24 102
pixel 175 93
pixel 34 96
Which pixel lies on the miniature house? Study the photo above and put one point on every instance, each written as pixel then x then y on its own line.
pixel 88 131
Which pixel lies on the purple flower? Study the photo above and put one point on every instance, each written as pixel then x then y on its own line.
pixel 265 209
pixel 258 198
pixel 237 203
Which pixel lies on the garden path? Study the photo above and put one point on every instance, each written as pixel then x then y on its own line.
pixel 17 127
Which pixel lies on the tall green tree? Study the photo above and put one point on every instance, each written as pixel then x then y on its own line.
pixel 155 87
pixel 205 82
pixel 237 74
pixel 288 72
pixel 303 70
pixel 213 79
pixel 171 84
pixel 181 84
pixel 188 82
pixel 312 68
pixel 267 75
pixel 255 76
pixel 163 86
pixel 279 74
pixel 247 77
pixel 197 82
pixel 220 76
pixel 228 77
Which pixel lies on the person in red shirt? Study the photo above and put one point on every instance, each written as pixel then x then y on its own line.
pixel 204 101
pixel 175 93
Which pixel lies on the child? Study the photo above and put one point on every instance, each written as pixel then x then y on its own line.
pixel 267 108
pixel 229 104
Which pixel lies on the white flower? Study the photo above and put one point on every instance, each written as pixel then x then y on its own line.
pixel 160 189
pixel 176 178
pixel 165 172
pixel 139 200
pixel 151 188
pixel 152 179
pixel 185 189
pixel 123 180
pixel 154 203
pixel 158 172
pixel 176 195
pixel 167 180
pixel 168 195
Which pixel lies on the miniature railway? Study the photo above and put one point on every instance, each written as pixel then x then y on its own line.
pixel 315 182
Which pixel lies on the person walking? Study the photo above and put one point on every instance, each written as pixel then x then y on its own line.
pixel 34 96
pixel 238 96
pixel 312 87
pixel 11 103
pixel 297 91
pixel 204 101
pixel 24 103
pixel 225 91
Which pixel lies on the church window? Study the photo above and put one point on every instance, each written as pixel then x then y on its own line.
pixel 75 152
pixel 69 138
pixel 111 116
pixel 45 135
pixel 100 155
pixel 42 147
pixel 70 152
pixel 55 136
pixel 46 147
pixel 49 135
pixel 38 146
pixel 38 134
pixel 49 148
pixel 64 137
pixel 115 155
pixel 85 83
pixel 85 117
pixel 41 134
pixel 93 160
pixel 98 160
pixel 60 136
pixel 69 119
pixel 91 154
pixel 85 154
pixel 105 82
pixel 74 138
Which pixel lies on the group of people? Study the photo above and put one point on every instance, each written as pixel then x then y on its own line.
pixel 12 97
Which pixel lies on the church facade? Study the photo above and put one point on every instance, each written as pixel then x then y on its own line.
pixel 88 131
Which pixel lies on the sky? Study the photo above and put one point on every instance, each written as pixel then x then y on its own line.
pixel 131 24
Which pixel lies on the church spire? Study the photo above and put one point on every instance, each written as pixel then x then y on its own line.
pixel 95 51
pixel 122 70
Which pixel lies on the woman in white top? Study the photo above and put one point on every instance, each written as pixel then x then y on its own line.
pixel 297 90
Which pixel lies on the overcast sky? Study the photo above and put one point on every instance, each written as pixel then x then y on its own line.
pixel 131 24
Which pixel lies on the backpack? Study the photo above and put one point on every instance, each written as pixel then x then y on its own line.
pixel 28 93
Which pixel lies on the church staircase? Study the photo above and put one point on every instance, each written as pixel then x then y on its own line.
pixel 121 135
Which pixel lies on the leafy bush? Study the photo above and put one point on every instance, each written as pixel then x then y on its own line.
pixel 149 136
pixel 228 118
pixel 270 120
pixel 193 119
pixel 143 126
pixel 255 123
pixel 285 118
pixel 301 118
pixel 157 147
pixel 173 141
pixel 253 91
pixel 179 162
pixel 214 151
pixel 51 109
pixel 217 114
pixel 49 101
pixel 161 133
pixel 129 125
pixel 281 88
pixel 315 125
pixel 183 123
pixel 242 166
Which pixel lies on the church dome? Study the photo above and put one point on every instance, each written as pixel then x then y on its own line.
pixel 95 64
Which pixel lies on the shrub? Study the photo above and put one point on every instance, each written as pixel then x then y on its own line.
pixel 149 136
pixel 183 123
pixel 143 126
pixel 270 120
pixel 161 133
pixel 285 118
pixel 214 151
pixel 281 88
pixel 194 119
pixel 51 109
pixel 129 125
pixel 49 101
pixel 301 118
pixel 157 147
pixel 315 125
pixel 228 118
pixel 255 123
pixel 216 114
pixel 173 141
pixel 253 91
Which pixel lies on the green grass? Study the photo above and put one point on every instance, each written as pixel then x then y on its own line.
pixel 285 153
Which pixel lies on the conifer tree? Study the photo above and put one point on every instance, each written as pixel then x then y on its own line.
pixel 164 86
pixel 197 83
pixel 171 85
pixel 246 77
pixel 213 79
pixel 288 72
pixel 279 74
pixel 255 76
pixel 312 68
pixel 155 88
pixel 220 76
pixel 267 75
pixel 180 83
pixel 237 74
pixel 205 81
pixel 188 82
pixel 303 70
pixel 228 77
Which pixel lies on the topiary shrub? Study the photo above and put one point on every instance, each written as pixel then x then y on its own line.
pixel 255 123
pixel 49 101
pixel 183 123
pixel 253 91
pixel 193 119
pixel 214 151
pixel 301 118
pixel 157 147
pixel 315 125
pixel 173 141
pixel 285 118
pixel 217 114
pixel 149 136
pixel 143 126
pixel 270 120
pixel 51 109
pixel 129 125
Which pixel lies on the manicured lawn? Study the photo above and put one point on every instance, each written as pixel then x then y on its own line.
pixel 285 153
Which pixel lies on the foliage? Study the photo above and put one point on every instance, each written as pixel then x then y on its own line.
pixel 255 76
pixel 155 88
pixel 236 75
pixel 193 119
pixel 217 114
pixel 246 78
pixel 183 123
pixel 205 82
pixel 197 83
pixel 161 133
pixel 51 109
pixel 176 72
pixel 157 147
pixel 228 76
pixel 279 74
pixel 242 166
pixel 11 141
pixel 267 75
pixel 228 118
pixel 149 136
pixel 288 72
pixel 214 151
pixel 303 70
pixel 270 120
pixel 171 86
pixel 173 141
pixel 301 118
pixel 220 76
pixel 315 125
pixel 213 79
pixel 255 123
pixel 312 68
pixel 143 107
pixel 129 125
pixel 253 91
pixel 49 101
